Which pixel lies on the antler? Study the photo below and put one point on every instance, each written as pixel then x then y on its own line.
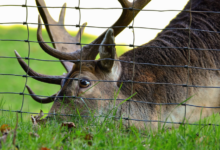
pixel 38 76
pixel 41 100
pixel 58 33
pixel 89 52
pixel 72 51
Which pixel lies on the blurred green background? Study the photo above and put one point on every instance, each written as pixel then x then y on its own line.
pixel 16 84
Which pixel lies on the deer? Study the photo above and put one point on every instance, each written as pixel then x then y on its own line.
pixel 142 79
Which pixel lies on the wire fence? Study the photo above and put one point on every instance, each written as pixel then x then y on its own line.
pixel 133 62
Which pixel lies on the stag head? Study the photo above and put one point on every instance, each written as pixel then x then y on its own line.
pixel 82 86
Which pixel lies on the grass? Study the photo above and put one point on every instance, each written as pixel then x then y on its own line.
pixel 88 134
pixel 112 135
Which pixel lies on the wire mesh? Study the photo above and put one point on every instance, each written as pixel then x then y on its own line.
pixel 133 62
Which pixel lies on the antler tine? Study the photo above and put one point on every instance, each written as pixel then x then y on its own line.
pixel 62 14
pixel 128 14
pixel 41 100
pixel 51 51
pixel 38 76
pixel 54 52
pixel 80 32
pixel 58 33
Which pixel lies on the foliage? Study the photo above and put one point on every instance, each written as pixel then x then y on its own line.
pixel 87 134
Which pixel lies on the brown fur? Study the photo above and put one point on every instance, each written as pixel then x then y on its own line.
pixel 173 56
pixel 163 51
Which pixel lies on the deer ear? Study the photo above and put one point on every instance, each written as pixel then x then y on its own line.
pixel 107 52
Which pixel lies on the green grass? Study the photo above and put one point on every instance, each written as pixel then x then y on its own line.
pixel 109 135
pixel 112 135
pixel 11 66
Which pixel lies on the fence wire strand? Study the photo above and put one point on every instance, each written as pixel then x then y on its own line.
pixel 188 64
pixel 133 46
pixel 26 80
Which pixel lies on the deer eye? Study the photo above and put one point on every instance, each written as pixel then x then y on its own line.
pixel 83 83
